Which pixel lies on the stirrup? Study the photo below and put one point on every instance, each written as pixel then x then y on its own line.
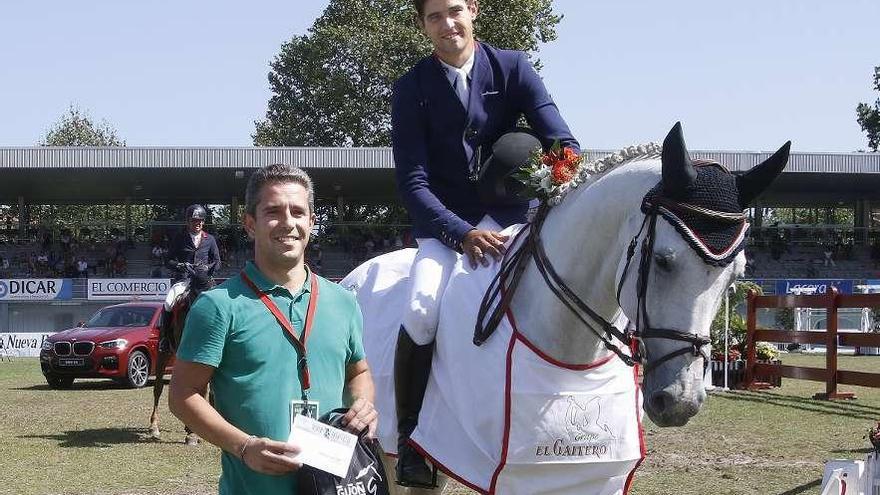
pixel 411 484
pixel 412 452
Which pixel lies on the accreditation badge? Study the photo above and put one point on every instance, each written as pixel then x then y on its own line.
pixel 308 408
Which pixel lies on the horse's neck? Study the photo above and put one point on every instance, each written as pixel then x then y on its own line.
pixel 585 238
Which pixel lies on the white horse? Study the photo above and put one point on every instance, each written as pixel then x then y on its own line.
pixel 657 238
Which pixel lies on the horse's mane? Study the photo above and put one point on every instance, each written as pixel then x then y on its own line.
pixel 590 172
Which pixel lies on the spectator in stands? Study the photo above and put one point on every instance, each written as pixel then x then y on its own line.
pixel 156 253
pixel 157 272
pixel 4 267
pixel 398 241
pixel 42 263
pixel 65 242
pixel 47 241
pixel 120 265
pixel 109 257
pixel 828 252
pixel 82 267
pixel 195 247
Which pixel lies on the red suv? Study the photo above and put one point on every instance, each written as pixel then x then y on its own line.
pixel 119 342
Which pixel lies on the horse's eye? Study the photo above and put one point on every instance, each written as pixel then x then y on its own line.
pixel 665 259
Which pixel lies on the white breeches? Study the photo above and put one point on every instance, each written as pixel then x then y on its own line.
pixel 429 275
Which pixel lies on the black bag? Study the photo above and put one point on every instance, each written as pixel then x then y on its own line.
pixel 366 474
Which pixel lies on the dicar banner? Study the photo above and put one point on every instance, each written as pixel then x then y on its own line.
pixel 35 289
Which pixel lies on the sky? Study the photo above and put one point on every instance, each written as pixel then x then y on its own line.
pixel 744 75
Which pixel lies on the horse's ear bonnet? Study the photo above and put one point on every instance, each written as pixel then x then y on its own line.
pixel 705 202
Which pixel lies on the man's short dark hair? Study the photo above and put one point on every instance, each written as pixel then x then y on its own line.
pixel 277 173
pixel 420 6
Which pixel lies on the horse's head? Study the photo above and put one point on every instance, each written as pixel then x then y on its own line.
pixel 688 251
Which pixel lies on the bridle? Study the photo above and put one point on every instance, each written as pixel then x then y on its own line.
pixel 505 282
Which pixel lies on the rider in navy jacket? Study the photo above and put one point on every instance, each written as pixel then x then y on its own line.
pixel 429 123
pixel 204 258
pixel 447 112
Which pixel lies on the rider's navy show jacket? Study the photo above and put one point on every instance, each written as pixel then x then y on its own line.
pixel 184 251
pixel 429 123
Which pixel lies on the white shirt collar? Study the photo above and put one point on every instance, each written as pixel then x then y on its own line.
pixel 453 71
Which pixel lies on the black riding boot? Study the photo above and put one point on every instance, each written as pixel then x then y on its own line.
pixel 412 364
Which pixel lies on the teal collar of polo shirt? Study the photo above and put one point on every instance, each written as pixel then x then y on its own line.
pixel 267 286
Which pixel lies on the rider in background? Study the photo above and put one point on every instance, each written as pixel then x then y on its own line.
pixel 194 253
pixel 447 113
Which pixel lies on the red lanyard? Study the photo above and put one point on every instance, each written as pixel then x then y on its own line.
pixel 300 345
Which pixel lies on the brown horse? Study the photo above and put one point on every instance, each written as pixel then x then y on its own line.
pixel 179 300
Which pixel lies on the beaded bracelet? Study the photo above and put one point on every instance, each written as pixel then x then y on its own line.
pixel 245 446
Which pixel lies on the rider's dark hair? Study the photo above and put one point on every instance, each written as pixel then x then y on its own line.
pixel 420 6
pixel 275 174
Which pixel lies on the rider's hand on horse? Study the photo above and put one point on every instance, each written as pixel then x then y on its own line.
pixel 361 415
pixel 270 457
pixel 478 244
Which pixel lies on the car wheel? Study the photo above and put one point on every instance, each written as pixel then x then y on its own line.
pixel 138 369
pixel 59 382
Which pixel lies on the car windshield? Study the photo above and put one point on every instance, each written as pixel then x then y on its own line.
pixel 126 316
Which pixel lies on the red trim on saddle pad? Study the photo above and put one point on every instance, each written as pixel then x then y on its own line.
pixel 508 381
pixel 446 470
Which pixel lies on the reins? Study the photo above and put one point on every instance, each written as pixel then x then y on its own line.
pixel 506 281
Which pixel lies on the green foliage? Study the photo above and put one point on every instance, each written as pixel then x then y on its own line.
pixel 332 86
pixel 737 325
pixel 868 116
pixel 76 128
pixel 784 318
pixel 809 216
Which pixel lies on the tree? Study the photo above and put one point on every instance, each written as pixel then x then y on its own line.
pixel 76 128
pixel 869 116
pixel 332 86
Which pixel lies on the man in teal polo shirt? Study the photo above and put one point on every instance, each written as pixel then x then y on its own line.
pixel 234 341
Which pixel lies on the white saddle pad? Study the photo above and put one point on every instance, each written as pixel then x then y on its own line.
pixel 175 293
pixel 502 418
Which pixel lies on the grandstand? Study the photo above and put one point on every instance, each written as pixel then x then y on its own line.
pixel 824 183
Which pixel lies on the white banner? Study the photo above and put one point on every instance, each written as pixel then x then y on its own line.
pixel 22 344
pixel 35 289
pixel 128 288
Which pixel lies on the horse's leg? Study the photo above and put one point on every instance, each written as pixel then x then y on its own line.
pixel 158 385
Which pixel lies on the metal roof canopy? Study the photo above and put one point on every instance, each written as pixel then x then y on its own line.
pixel 98 175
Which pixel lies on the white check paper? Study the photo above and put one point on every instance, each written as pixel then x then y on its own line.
pixel 322 446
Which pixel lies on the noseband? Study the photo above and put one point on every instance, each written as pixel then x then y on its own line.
pixel 512 268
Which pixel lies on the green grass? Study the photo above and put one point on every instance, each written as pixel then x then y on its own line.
pixel 92 439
